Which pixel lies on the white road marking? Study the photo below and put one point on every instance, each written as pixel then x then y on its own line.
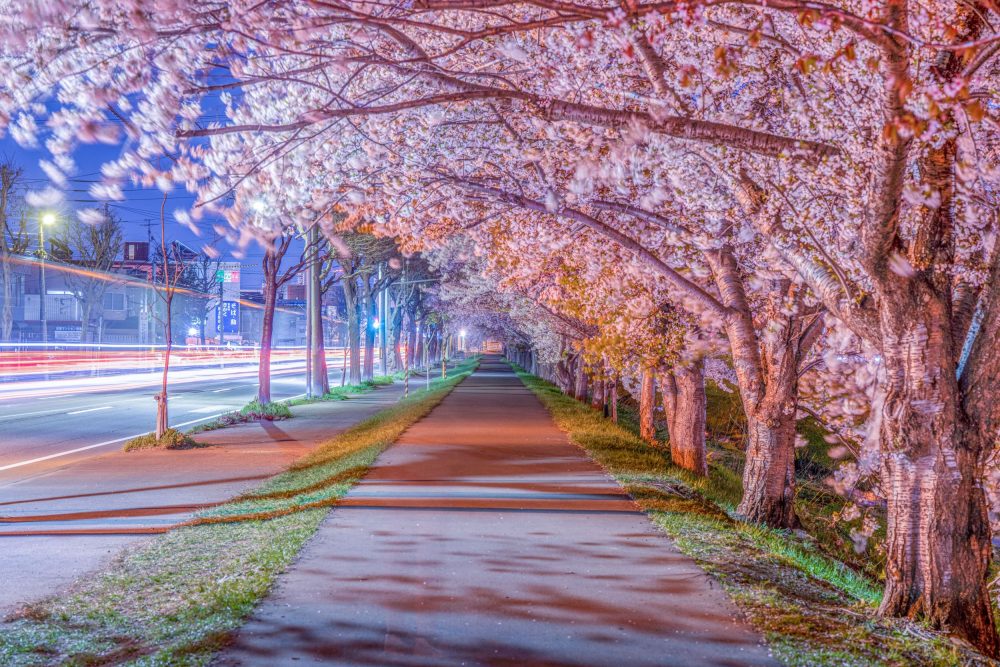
pixel 210 408
pixel 111 442
pixel 219 391
pixel 80 412
pixel 30 414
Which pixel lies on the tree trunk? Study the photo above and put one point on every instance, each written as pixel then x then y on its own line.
pixel 647 404
pixel 684 405
pixel 564 375
pixel 320 369
pixel 580 384
pixel 597 394
pixel 612 409
pixel 397 338
pixel 85 322
pixel 371 312
pixel 411 343
pixel 343 368
pixel 266 338
pixel 938 538
pixel 766 368
pixel 7 314
pixel 368 370
pixel 162 415
pixel 769 471
pixel 353 329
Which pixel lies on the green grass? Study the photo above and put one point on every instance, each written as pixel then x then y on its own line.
pixel 253 411
pixel 171 439
pixel 813 609
pixel 174 599
pixel 383 380
pixel 277 410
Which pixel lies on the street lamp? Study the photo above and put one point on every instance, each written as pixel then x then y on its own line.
pixel 46 218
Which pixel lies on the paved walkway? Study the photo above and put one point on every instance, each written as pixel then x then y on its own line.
pixel 65 523
pixel 484 537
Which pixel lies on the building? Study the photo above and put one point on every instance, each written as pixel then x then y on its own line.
pixel 123 305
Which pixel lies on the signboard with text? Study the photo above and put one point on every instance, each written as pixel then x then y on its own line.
pixel 229 317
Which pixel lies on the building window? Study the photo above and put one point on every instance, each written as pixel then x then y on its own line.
pixel 114 301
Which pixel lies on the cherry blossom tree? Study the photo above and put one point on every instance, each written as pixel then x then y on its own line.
pixel 762 167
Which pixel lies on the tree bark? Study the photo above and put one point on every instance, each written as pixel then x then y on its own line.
pixel 684 404
pixel 7 313
pixel 162 414
pixel 613 401
pixel 371 312
pixel 767 372
pixel 938 539
pixel 597 395
pixel 769 471
pixel 411 342
pixel 266 338
pixel 580 383
pixel 353 330
pixel 85 322
pixel 396 339
pixel 320 368
pixel 647 403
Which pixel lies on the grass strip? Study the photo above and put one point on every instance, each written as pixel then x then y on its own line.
pixel 175 599
pixel 253 411
pixel 278 410
pixel 814 610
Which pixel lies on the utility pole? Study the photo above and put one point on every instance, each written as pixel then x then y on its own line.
pixel 309 314
pixel 43 219
pixel 382 324
pixel 314 321
pixel 318 348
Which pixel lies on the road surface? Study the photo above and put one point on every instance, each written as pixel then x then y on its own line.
pixel 46 425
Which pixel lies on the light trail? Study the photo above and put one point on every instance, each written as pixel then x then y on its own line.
pixel 63 387
pixel 38 359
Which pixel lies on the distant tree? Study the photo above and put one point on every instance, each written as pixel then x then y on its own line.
pixel 200 276
pixel 169 270
pixel 360 255
pixel 14 240
pixel 274 278
pixel 93 247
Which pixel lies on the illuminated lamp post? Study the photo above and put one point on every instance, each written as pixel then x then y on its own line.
pixel 47 218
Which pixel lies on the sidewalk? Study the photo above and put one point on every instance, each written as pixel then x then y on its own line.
pixel 484 537
pixel 62 524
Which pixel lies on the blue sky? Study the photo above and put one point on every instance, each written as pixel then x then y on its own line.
pixel 139 212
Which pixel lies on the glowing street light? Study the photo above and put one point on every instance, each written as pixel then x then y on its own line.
pixel 45 219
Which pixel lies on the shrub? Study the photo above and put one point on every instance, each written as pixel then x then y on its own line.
pixel 255 410
pixel 172 439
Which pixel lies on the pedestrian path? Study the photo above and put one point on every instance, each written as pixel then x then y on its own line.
pixel 483 537
pixel 63 524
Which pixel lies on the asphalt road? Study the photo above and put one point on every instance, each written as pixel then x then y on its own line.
pixel 40 433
